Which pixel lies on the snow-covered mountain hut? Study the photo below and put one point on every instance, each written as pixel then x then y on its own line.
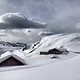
pixel 11 59
pixel 54 51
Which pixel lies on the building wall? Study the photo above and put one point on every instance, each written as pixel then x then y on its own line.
pixel 55 52
pixel 43 53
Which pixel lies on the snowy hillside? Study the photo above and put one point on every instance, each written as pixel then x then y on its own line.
pixel 71 42
pixel 41 67
pixel 8 46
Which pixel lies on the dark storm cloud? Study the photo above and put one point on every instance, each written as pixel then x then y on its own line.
pixel 16 20
pixel 61 15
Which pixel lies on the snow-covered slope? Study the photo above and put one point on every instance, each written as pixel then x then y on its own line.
pixel 71 42
pixel 64 70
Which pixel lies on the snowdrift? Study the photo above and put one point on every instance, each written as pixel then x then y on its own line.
pixel 64 70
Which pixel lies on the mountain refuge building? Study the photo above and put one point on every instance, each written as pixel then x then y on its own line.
pixel 11 59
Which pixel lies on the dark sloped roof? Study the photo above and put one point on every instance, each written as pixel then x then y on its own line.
pixel 54 50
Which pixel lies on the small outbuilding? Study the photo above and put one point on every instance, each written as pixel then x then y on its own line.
pixel 42 53
pixel 11 60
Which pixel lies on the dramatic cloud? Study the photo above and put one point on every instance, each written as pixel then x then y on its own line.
pixel 45 33
pixel 16 20
pixel 61 16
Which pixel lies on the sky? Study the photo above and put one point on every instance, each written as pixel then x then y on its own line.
pixel 29 20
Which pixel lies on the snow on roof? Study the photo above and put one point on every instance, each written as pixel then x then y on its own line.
pixel 9 54
pixel 60 49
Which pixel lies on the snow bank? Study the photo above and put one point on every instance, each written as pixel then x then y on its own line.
pixel 64 70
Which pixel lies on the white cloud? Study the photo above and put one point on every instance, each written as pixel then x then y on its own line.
pixel 77 26
pixel 18 35
pixel 45 33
